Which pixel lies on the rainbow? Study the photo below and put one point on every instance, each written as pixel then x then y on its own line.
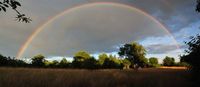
pixel 42 26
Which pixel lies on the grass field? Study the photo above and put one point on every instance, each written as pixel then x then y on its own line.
pixel 159 77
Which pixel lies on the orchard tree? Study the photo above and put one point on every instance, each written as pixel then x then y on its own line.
pixel 135 53
pixel 14 4
pixel 38 61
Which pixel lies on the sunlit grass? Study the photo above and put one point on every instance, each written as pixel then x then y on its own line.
pixel 24 77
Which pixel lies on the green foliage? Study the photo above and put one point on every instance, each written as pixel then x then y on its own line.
pixel 102 58
pixel 135 53
pixel 38 61
pixel 169 61
pixel 153 62
pixel 90 63
pixel 64 63
pixel 182 64
pixel 111 62
pixel 79 59
pixel 54 64
pixel 126 63
pixel 81 56
pixel 11 62
pixel 3 60
pixel 192 56
pixel 14 4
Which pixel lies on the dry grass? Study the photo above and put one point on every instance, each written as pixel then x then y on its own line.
pixel 23 77
pixel 173 67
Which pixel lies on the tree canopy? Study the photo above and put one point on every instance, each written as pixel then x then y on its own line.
pixel 169 61
pixel 134 52
pixel 192 55
pixel 38 60
pixel 153 62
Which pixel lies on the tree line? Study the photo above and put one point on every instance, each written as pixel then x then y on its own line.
pixel 130 56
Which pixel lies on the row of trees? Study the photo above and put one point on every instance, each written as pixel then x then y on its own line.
pixel 130 56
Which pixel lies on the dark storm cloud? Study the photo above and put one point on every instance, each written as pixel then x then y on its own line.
pixel 175 14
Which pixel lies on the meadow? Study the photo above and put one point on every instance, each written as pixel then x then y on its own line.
pixel 38 77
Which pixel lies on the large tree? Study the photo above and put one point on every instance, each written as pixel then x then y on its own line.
pixel 14 4
pixel 192 55
pixel 134 52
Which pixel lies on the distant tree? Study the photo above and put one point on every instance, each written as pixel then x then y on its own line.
pixel 38 61
pixel 111 63
pixel 102 58
pixel 169 61
pixel 90 63
pixel 14 4
pixel 153 62
pixel 135 53
pixel 54 64
pixel 64 63
pixel 3 60
pixel 79 59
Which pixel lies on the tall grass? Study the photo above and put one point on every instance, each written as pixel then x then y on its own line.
pixel 24 77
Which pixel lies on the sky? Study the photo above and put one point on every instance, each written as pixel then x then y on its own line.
pixel 100 28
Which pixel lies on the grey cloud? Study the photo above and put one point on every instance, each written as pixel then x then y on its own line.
pixel 163 48
pixel 79 35
pixel 94 29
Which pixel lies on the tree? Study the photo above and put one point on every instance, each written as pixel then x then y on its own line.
pixel 90 63
pixel 3 60
pixel 198 6
pixel 111 62
pixel 102 58
pixel 169 61
pixel 192 55
pixel 54 64
pixel 79 59
pixel 64 63
pixel 153 62
pixel 134 52
pixel 38 60
pixel 14 4
pixel 126 63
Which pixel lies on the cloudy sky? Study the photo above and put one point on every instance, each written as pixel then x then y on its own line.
pixel 100 27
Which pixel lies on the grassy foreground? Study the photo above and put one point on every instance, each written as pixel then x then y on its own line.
pixel 25 77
